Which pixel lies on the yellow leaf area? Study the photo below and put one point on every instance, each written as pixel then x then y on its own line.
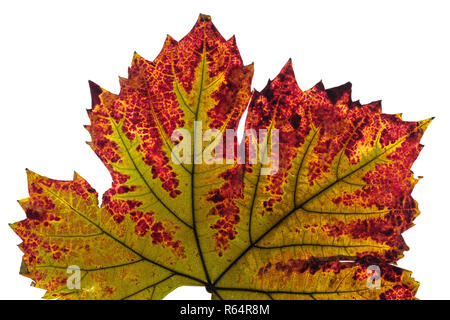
pixel 311 223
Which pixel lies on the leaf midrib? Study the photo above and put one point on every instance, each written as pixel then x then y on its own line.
pixel 194 225
pixel 145 180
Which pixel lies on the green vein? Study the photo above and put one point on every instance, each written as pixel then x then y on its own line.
pixel 153 285
pixel 116 239
pixel 274 226
pixel 95 269
pixel 197 240
pixel 143 178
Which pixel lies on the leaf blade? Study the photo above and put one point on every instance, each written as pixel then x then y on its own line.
pixel 335 202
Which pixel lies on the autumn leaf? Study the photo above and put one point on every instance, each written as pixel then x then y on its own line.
pixel 310 224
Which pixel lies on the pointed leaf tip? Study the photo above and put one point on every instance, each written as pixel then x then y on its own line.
pixel 95 93
pixel 319 85
pixel 288 68
pixel 336 93
pixel 204 18
pixel 170 39
pixel 136 55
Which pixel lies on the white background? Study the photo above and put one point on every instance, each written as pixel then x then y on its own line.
pixel 395 51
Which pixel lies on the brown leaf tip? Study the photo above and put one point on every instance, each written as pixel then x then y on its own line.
pixel 95 92
pixel 204 18
pixel 334 94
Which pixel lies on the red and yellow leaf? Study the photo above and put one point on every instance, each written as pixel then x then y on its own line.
pixel 337 200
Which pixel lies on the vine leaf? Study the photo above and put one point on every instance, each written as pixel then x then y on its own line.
pixel 336 200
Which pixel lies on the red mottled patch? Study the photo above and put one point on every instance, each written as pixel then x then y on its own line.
pixel 225 208
pixel 145 223
pixel 389 184
pixel 132 106
pixel 361 274
pixel 398 292
pixel 281 99
pixel 30 245
pixel 385 230
pixel 55 283
pixel 370 257
pixel 387 272
pixel 234 92
pixel 33 243
pixel 312 266
pixel 109 290
pixel 78 186
pixel 119 208
pixel 33 214
pixel 395 128
pixel 311 228
pixel 54 249
pixel 329 111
